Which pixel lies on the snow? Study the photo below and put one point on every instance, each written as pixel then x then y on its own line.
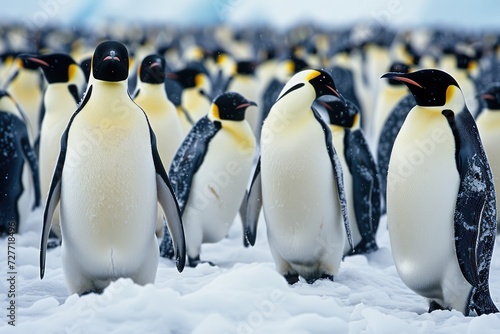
pixel 242 293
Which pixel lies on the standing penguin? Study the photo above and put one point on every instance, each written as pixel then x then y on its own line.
pixel 17 166
pixel 162 115
pixel 441 210
pixel 25 86
pixel 108 179
pixel 360 172
pixel 196 87
pixel 210 173
pixel 244 82
pixel 299 182
pixel 488 125
pixel 66 81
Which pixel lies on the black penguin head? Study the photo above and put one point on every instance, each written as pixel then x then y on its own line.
pixel 230 106
pixel 323 83
pixel 429 86
pixel 57 67
pixel 398 67
pixel 492 96
pixel 152 69
pixel 341 113
pixel 188 77
pixel 110 62
pixel 245 67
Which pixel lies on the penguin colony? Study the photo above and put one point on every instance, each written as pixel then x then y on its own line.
pixel 149 142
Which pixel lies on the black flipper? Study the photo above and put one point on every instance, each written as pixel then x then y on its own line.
pixel 338 174
pixel 73 90
pixel 168 202
pixel 55 187
pixel 475 217
pixel 254 205
pixel 186 162
pixel 388 135
pixel 243 214
pixel 366 189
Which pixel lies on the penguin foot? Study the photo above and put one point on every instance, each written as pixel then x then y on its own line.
pixel 364 247
pixel 433 306
pixel 291 278
pixel 193 262
pixel 323 276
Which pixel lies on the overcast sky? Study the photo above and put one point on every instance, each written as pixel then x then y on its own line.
pixel 280 13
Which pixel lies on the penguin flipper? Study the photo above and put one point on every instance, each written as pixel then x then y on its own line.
pixel 243 213
pixel 386 141
pixel 168 201
pixel 253 207
pixel 189 158
pixel 337 174
pixel 475 217
pixel 366 195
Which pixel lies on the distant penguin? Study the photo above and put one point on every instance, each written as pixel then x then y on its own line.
pixel 441 211
pixel 65 84
pixel 244 82
pixel 360 172
pixel 25 86
pixel 488 125
pixel 19 179
pixel 6 61
pixel 162 114
pixel 210 173
pixel 108 179
pixel 390 92
pixel 299 183
pixel 196 87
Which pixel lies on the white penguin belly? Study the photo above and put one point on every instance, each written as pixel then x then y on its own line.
pixel 108 199
pixel 299 194
pixel 218 188
pixel 422 187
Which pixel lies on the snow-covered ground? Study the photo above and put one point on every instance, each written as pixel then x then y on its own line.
pixel 242 293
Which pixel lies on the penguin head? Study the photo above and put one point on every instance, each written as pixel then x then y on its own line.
pixel 245 67
pixel 492 96
pixel 188 77
pixel 152 69
pixel 230 106
pixel 57 67
pixel 430 87
pixel 24 61
pixel 341 113
pixel 110 62
pixel 320 80
pixel 399 68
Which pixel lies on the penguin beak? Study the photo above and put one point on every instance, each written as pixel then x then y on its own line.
pixel 325 105
pixel 400 77
pixel 38 61
pixel 172 76
pixel 246 105
pixel 487 96
pixel 155 64
pixel 112 56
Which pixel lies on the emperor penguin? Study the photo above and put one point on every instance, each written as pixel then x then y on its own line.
pixel 107 180
pixel 25 86
pixel 151 96
pixel 488 125
pixel 210 173
pixel 299 183
pixel 244 82
pixel 390 92
pixel 360 172
pixel 196 87
pixel 19 180
pixel 441 211
pixel 65 84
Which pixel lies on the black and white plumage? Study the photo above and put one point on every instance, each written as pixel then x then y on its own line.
pixel 441 209
pixel 210 172
pixel 18 166
pixel 388 134
pixel 360 174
